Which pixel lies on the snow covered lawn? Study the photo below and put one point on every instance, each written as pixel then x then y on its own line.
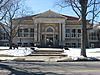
pixel 75 52
pixel 72 52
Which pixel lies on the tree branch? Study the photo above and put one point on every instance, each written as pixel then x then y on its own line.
pixel 75 10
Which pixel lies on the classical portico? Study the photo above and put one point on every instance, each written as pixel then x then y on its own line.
pixel 49 29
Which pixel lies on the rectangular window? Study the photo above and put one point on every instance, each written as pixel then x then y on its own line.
pixel 73 30
pixel 67 33
pixel 25 44
pixel 67 30
pixel 79 30
pixel 67 44
pixel 25 34
pixel 20 33
pixel 32 32
pixel 31 35
pixel 19 44
pixel 26 30
pixel 79 45
pixel 93 36
pixel 79 35
pixel 31 44
pixel 73 34
pixel 73 45
pixel 19 30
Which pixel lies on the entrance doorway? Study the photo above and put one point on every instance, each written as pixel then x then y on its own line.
pixel 49 40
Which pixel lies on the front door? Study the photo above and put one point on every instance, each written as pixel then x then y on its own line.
pixel 49 40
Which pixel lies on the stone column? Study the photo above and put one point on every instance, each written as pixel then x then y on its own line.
pixel 35 32
pixel 39 32
pixel 63 33
pixel 45 39
pixel 59 33
pixel 54 35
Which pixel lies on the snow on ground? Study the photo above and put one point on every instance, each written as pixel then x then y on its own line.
pixel 4 47
pixel 75 52
pixel 72 52
pixel 16 52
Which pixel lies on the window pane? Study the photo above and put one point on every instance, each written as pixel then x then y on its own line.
pixel 31 30
pixel 73 30
pixel 19 30
pixel 25 35
pixel 25 30
pixel 67 30
pixel 79 30
pixel 31 35
pixel 20 35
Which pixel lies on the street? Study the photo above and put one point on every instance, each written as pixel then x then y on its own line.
pixel 49 68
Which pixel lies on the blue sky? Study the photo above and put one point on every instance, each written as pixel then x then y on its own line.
pixel 39 6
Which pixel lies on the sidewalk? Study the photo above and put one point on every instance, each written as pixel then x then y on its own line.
pixel 34 58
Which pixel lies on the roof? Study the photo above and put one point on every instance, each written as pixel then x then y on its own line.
pixel 71 17
pixel 48 14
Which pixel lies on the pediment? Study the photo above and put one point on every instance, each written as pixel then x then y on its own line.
pixel 49 14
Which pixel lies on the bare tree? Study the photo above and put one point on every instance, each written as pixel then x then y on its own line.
pixel 2 4
pixel 12 9
pixel 86 10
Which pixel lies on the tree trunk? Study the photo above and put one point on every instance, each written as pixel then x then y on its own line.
pixel 10 40
pixel 83 4
pixel 10 43
pixel 83 38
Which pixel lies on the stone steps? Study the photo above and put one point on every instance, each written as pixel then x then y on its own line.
pixel 47 55
pixel 48 52
pixel 50 49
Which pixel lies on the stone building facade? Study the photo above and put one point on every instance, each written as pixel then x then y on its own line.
pixel 51 29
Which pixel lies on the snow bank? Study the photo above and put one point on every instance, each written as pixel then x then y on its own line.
pixel 17 52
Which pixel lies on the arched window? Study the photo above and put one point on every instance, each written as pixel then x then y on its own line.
pixel 49 30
